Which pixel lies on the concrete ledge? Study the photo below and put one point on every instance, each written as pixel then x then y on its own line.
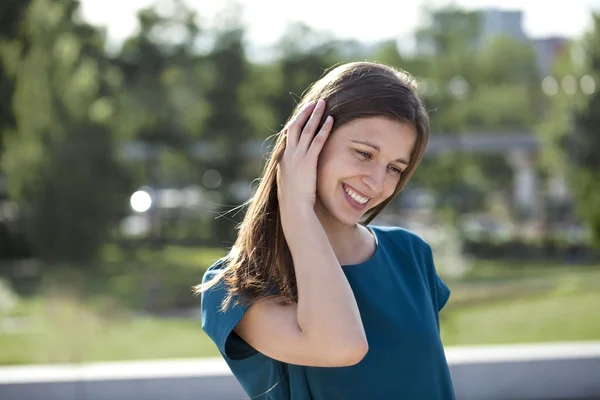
pixel 515 372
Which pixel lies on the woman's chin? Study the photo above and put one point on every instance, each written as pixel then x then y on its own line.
pixel 339 212
pixel 348 218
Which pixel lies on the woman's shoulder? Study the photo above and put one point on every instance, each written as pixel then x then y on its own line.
pixel 216 269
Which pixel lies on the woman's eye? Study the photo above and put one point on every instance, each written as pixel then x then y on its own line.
pixel 363 154
pixel 396 171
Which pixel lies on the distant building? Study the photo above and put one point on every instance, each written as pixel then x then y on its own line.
pixel 483 25
pixel 495 22
pixel 431 40
pixel 547 49
pixel 479 25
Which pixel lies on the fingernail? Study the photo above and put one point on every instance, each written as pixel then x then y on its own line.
pixel 320 103
pixel 329 120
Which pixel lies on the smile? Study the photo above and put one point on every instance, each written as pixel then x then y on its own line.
pixel 356 200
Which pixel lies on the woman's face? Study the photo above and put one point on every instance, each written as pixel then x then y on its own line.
pixel 361 165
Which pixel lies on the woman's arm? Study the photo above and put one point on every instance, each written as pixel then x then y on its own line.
pixel 325 327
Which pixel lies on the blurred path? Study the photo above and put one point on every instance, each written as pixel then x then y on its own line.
pixel 525 372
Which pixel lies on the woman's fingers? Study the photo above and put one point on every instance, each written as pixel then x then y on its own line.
pixel 310 129
pixel 317 143
pixel 294 129
pixel 297 170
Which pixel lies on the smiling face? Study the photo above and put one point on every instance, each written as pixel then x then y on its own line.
pixel 360 167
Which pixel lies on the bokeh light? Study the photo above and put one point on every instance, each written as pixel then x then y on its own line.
pixel 211 179
pixel 587 84
pixel 550 86
pixel 140 201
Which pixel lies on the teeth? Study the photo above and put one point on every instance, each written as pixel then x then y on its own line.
pixel 358 198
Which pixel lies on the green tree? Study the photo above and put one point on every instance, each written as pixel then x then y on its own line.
pixel 227 129
pixel 583 143
pixel 303 57
pixel 11 41
pixel 11 16
pixel 162 95
pixel 472 85
pixel 159 81
pixel 60 158
pixel 568 131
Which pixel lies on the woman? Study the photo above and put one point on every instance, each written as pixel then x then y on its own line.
pixel 312 302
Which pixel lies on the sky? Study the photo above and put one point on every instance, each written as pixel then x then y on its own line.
pixel 367 21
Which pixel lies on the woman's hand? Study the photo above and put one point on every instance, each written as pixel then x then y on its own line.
pixel 297 169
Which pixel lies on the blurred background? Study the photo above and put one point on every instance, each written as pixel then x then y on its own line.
pixel 130 131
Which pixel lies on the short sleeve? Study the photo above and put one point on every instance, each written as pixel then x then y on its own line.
pixel 442 292
pixel 219 324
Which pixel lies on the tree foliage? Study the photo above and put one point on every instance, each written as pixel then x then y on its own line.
pixel 177 104
pixel 60 159
pixel 583 143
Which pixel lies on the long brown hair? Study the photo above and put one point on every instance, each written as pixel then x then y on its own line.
pixel 260 263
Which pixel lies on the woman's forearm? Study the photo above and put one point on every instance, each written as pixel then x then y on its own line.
pixel 327 310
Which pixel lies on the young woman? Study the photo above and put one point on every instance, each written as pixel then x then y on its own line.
pixel 312 302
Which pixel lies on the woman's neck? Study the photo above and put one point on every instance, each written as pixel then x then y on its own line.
pixel 352 244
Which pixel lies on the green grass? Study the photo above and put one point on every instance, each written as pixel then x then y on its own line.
pixel 499 303
pixel 553 316
pixel 494 304
pixel 74 334
pixel 131 276
pixel 502 271
pixel 64 331
pixel 192 257
pixel 146 338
